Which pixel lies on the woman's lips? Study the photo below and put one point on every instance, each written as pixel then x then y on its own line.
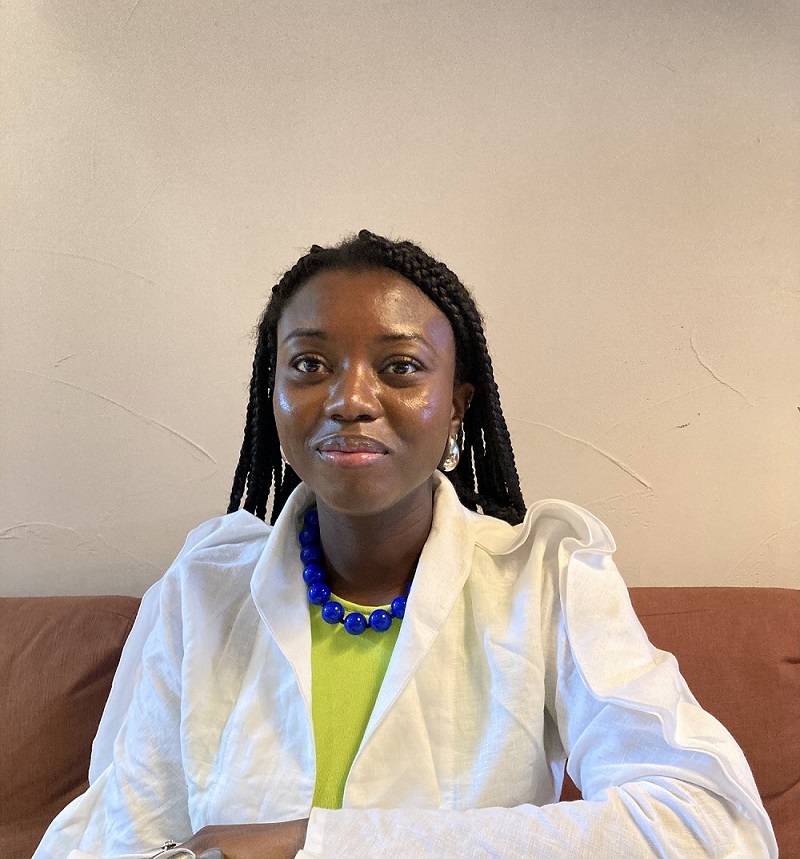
pixel 351 451
pixel 351 459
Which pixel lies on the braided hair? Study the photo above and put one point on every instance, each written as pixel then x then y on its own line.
pixel 486 476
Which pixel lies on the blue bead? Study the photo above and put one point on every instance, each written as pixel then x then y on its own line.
pixel 313 573
pixel 398 607
pixel 355 623
pixel 319 593
pixel 311 519
pixel 332 612
pixel 312 553
pixel 380 620
pixel 308 536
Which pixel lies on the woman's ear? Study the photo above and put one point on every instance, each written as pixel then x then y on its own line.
pixel 462 397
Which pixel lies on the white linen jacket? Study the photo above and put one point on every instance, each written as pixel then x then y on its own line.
pixel 519 647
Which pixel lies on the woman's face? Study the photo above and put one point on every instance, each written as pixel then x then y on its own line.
pixel 365 398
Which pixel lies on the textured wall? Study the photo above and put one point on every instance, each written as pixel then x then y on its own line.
pixel 617 181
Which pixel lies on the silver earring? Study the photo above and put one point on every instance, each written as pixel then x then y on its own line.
pixel 452 456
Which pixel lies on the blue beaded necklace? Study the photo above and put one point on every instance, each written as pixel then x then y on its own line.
pixel 320 594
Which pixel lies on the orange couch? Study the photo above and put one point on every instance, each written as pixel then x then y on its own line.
pixel 739 649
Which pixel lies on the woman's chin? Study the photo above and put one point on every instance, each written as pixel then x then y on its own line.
pixel 368 495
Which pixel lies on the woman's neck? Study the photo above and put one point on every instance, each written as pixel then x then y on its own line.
pixel 371 559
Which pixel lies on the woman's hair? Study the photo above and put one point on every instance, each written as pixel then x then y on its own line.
pixel 486 476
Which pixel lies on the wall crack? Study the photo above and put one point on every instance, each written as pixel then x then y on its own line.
pixel 604 453
pixel 711 369
pixel 144 418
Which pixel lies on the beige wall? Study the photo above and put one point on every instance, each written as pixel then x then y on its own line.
pixel 616 180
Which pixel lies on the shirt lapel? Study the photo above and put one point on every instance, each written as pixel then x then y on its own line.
pixel 440 576
pixel 279 593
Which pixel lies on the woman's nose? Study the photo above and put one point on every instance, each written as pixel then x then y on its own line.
pixel 354 395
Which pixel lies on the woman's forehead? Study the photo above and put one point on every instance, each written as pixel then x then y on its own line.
pixel 371 298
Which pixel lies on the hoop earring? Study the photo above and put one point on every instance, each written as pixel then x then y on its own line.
pixel 452 456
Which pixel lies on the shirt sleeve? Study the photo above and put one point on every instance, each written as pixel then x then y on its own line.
pixel 665 818
pixel 139 800
pixel 660 777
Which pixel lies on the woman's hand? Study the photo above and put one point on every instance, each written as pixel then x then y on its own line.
pixel 252 840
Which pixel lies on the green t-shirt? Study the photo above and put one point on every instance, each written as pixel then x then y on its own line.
pixel 346 674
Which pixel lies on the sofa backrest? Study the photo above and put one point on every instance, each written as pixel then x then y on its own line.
pixel 738 648
pixel 57 659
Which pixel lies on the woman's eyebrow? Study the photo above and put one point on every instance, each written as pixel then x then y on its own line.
pixel 389 337
pixel 403 337
pixel 318 333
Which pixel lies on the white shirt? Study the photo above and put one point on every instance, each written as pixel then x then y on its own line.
pixel 519 646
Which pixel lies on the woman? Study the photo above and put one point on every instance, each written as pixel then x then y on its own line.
pixel 418 693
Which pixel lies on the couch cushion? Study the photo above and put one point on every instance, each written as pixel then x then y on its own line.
pixel 57 659
pixel 739 650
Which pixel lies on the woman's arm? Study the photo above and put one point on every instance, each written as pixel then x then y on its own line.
pixel 140 800
pixel 663 818
pixel 252 841
pixel 660 777
pixel 139 796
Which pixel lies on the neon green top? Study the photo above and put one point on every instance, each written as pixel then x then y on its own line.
pixel 346 674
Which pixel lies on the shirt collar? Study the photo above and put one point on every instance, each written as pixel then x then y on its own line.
pixel 279 593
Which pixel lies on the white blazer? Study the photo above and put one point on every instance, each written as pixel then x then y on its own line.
pixel 519 647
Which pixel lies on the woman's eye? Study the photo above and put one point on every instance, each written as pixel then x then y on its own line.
pixel 403 367
pixel 306 364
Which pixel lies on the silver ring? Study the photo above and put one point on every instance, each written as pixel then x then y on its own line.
pixel 170 850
